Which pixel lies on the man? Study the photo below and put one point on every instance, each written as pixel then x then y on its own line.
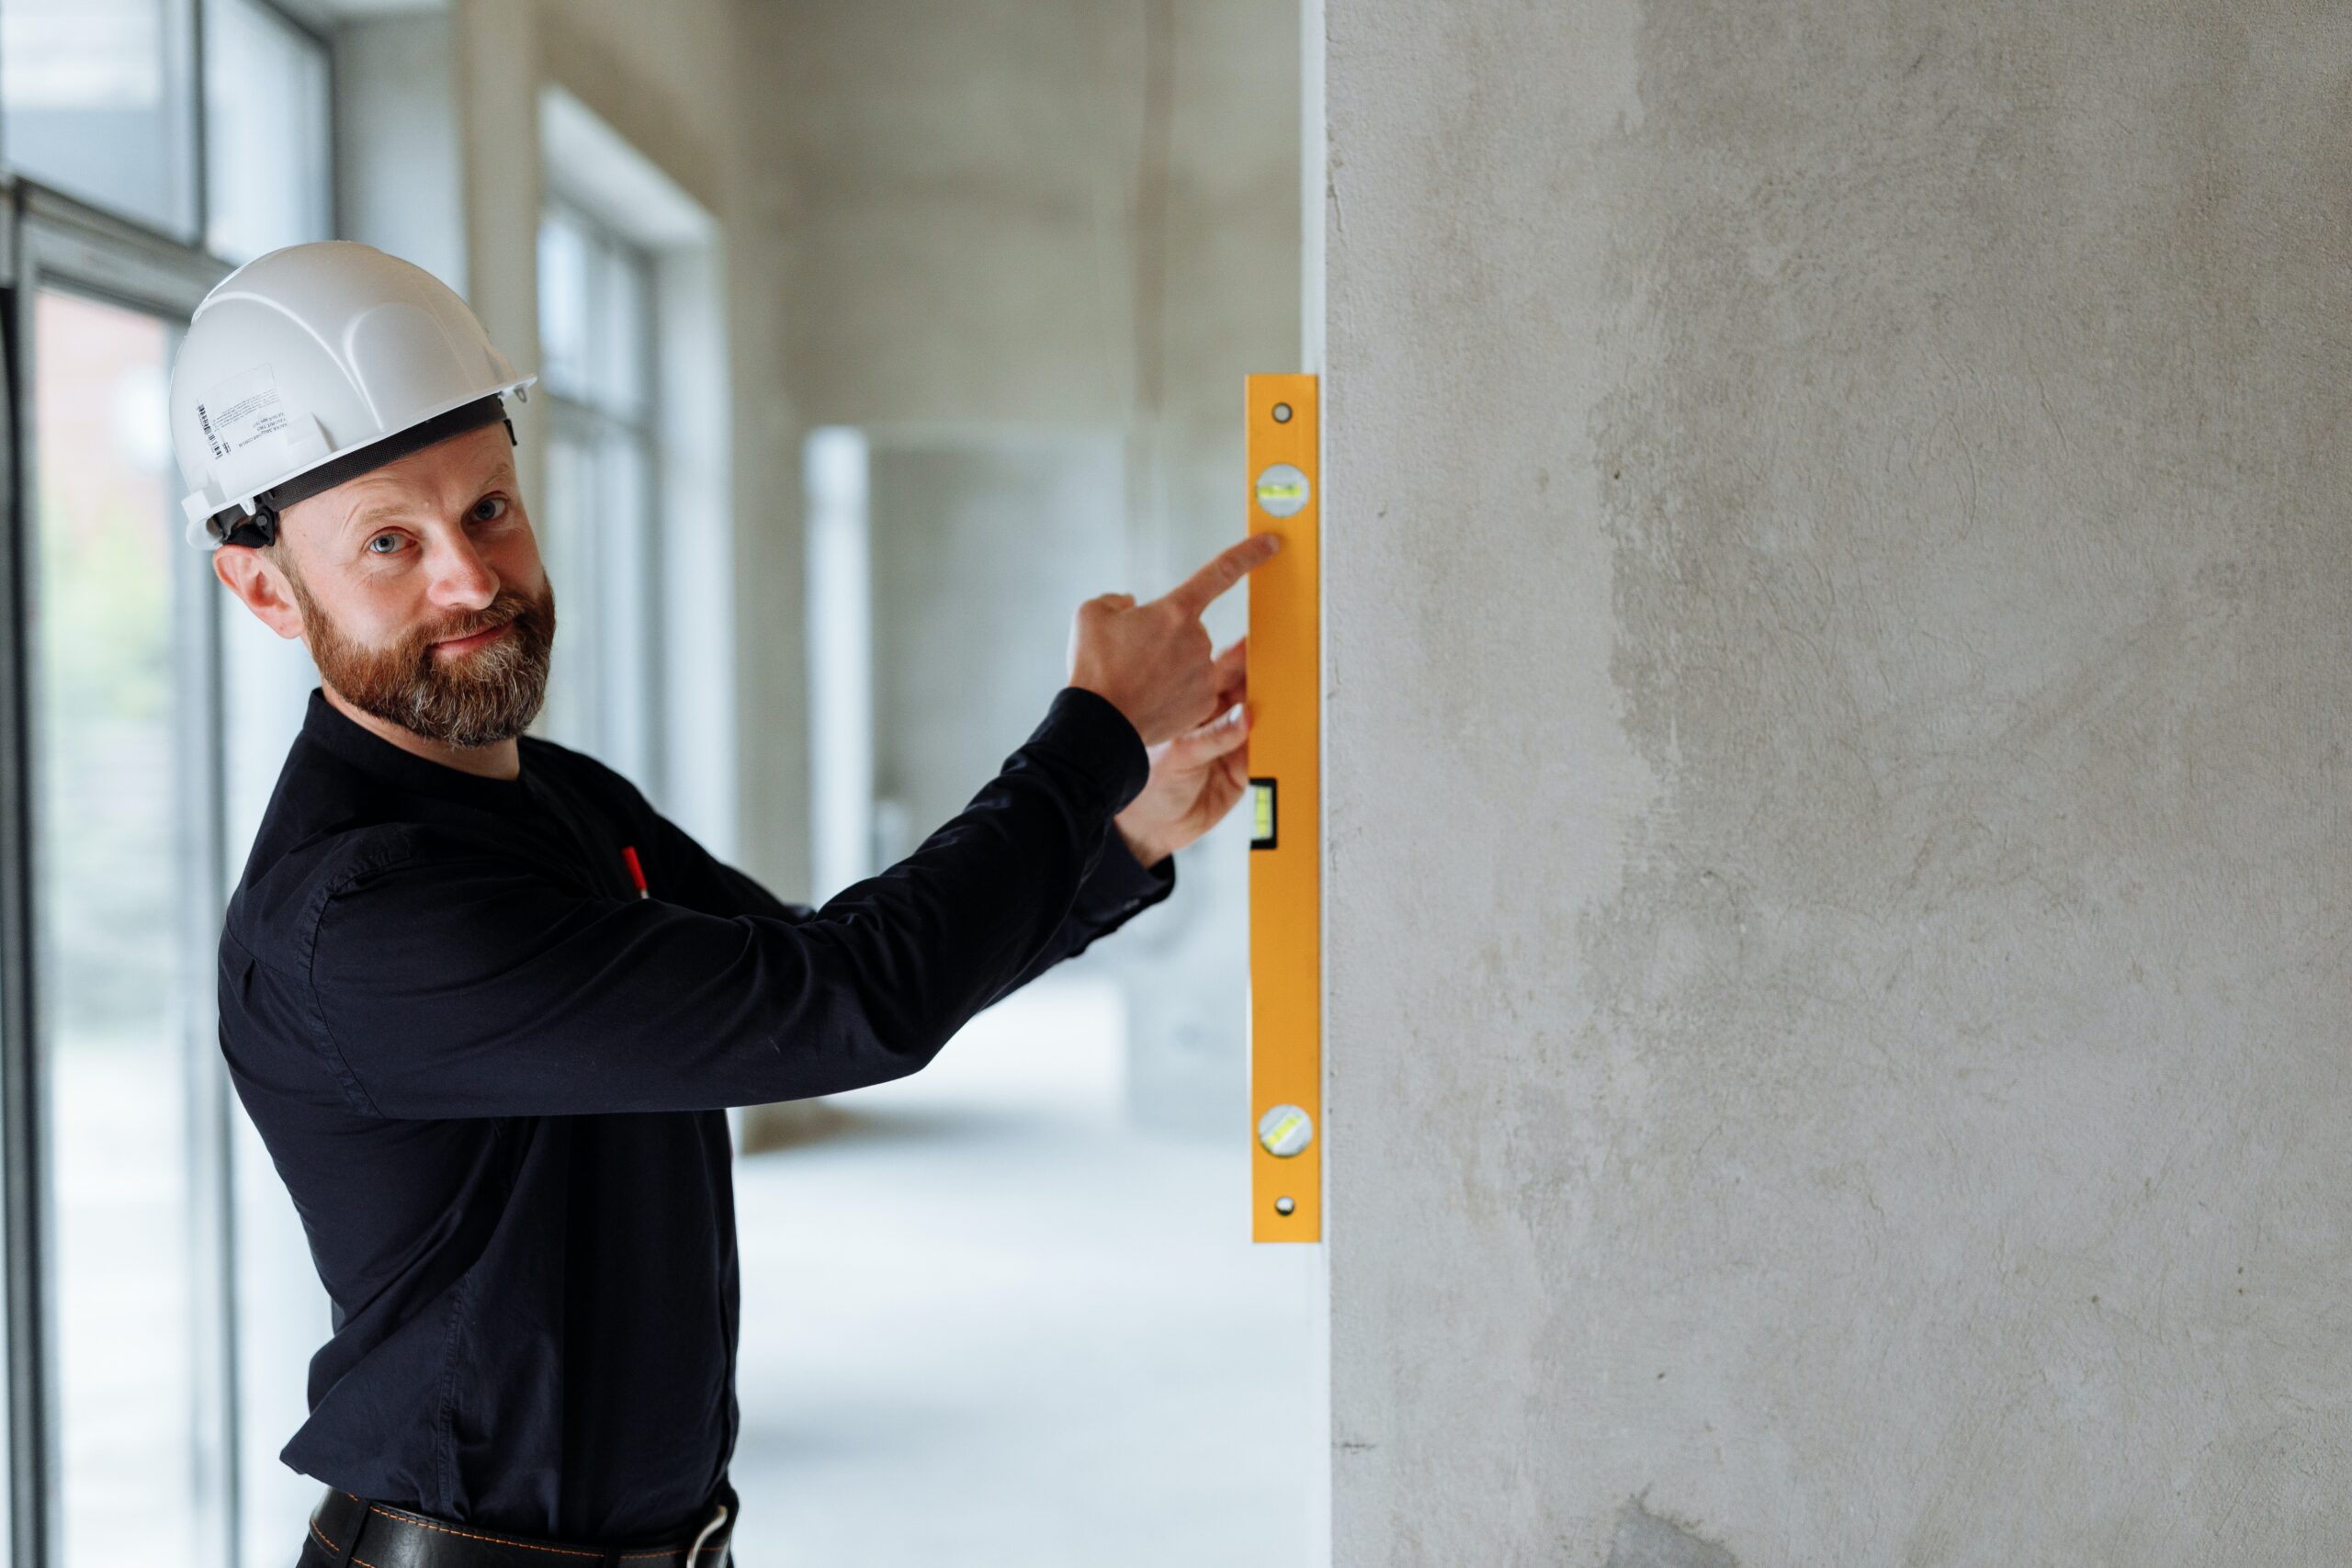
pixel 486 1006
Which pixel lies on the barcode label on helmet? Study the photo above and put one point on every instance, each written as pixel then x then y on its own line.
pixel 240 412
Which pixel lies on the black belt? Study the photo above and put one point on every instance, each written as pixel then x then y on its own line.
pixel 360 1534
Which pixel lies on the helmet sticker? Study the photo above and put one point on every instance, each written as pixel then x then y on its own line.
pixel 240 412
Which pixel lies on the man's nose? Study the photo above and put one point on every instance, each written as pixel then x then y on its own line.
pixel 461 580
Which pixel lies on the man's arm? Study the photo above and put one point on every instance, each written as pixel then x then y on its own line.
pixel 1113 892
pixel 1133 655
pixel 452 985
pixel 1116 890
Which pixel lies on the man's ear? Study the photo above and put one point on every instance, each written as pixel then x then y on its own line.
pixel 260 583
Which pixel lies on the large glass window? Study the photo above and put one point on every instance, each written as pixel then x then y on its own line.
pixel 122 863
pixel 268 180
pixel 597 357
pixel 98 98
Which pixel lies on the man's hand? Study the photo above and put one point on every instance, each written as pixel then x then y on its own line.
pixel 1151 662
pixel 1196 777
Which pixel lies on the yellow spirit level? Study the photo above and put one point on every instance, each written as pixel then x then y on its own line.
pixel 1282 447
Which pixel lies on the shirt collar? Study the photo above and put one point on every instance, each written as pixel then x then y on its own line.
pixel 327 726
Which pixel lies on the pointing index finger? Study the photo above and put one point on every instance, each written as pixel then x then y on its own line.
pixel 1229 565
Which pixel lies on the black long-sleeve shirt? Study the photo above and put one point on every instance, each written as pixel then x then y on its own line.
pixel 493 1079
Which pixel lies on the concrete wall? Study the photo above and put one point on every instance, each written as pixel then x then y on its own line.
pixel 1041 224
pixel 1838 589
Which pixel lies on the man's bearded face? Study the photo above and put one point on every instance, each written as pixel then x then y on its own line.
pixel 474 698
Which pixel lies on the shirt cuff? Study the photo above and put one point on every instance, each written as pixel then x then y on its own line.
pixel 1121 886
pixel 1092 733
pixel 1116 891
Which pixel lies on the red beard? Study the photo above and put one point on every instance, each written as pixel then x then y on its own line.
pixel 471 699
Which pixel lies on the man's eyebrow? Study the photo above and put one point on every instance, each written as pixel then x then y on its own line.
pixel 368 517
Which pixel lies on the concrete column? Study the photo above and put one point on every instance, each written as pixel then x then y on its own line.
pixel 1836 599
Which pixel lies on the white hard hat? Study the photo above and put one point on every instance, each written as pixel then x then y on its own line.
pixel 316 363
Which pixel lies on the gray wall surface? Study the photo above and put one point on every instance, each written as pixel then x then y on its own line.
pixel 1837 590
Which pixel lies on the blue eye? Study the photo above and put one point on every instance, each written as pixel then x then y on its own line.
pixel 498 508
pixel 391 540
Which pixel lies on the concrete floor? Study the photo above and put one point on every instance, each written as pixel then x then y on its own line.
pixel 986 1322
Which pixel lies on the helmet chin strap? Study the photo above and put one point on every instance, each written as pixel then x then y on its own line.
pixel 234 526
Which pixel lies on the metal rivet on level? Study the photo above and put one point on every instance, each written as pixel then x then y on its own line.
pixel 1283 1205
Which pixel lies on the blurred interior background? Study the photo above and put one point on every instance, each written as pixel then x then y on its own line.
pixel 872 336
